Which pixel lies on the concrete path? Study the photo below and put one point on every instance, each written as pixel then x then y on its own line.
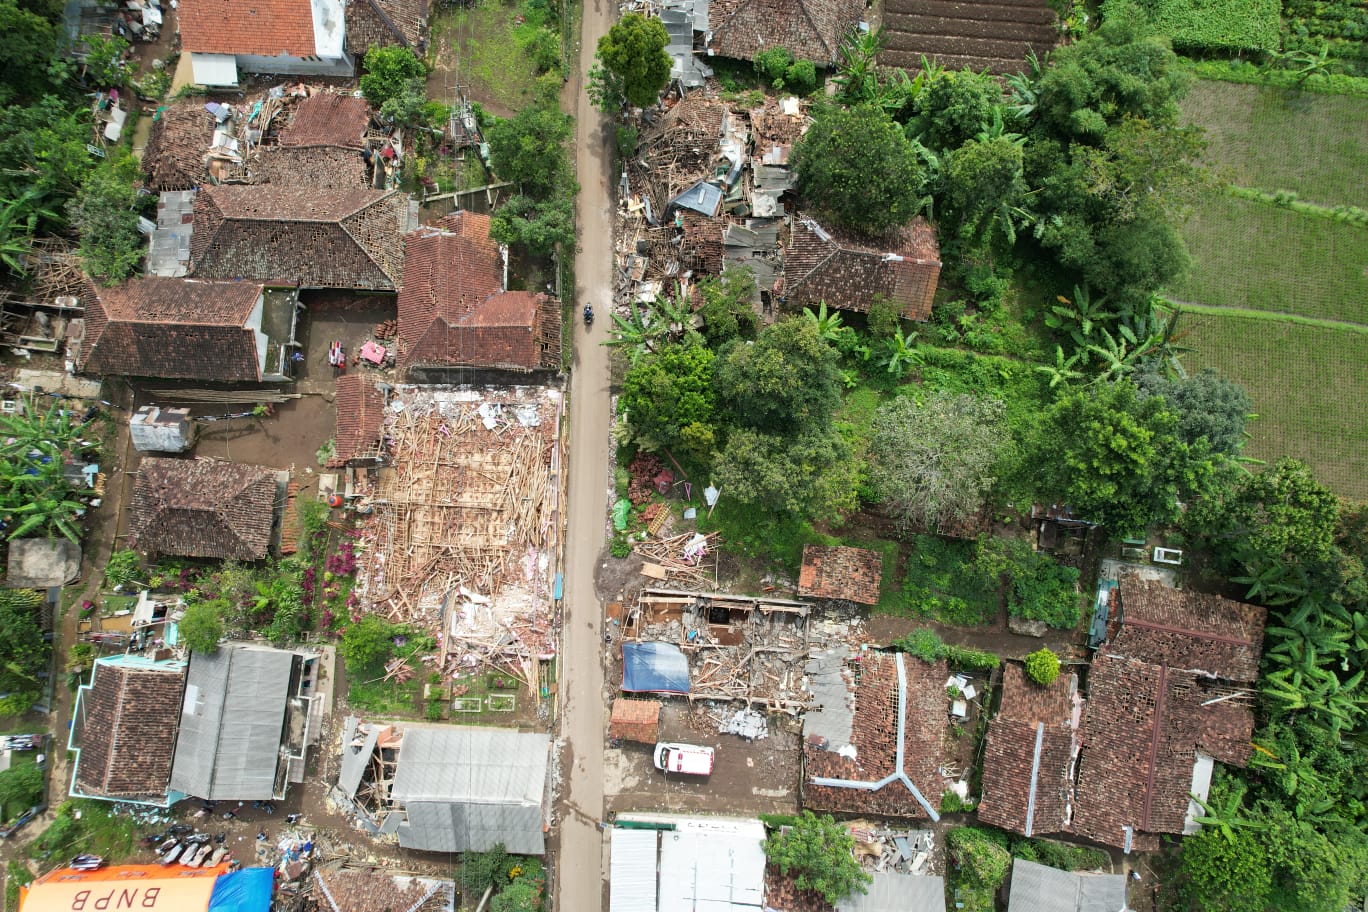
pixel 582 873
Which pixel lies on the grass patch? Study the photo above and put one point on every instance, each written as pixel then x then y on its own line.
pixel 1280 139
pixel 1310 389
pixel 99 831
pixel 940 584
pixel 386 698
pixel 494 63
pixel 1317 271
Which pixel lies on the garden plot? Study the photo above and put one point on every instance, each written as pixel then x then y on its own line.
pixel 464 524
pixel 996 36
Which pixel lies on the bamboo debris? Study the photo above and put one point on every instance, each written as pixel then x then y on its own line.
pixel 669 554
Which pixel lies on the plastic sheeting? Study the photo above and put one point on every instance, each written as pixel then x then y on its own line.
pixel 654 668
pixel 247 890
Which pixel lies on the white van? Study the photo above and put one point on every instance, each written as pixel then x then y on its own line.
pixel 689 759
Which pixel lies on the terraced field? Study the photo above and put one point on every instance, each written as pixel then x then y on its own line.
pixel 994 36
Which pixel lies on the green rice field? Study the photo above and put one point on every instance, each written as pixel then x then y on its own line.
pixel 1309 385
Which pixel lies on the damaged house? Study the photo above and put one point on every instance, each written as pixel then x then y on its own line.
pixel 384 23
pixel 206 508
pixel 809 29
pixel 447 789
pixel 874 744
pixel 841 574
pixel 187 329
pixel 848 272
pixel 360 421
pixel 279 37
pixel 456 316
pixel 324 145
pixel 301 236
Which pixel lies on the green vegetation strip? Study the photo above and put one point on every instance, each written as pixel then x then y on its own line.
pixel 1242 71
pixel 1271 316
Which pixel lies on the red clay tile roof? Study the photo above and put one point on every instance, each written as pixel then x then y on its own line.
pixel 172 328
pixel 203 508
pixel 351 890
pixel 300 235
pixel 380 23
pixel 874 734
pixel 847 574
pixel 128 725
pixel 320 167
pixel 810 29
pixel 848 272
pixel 360 419
pixel 453 311
pixel 1141 733
pixel 1029 711
pixel 635 720
pixel 265 27
pixel 1191 630
pixel 176 146
pixel 328 119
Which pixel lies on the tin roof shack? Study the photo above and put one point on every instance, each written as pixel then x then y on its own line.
pixel 1030 756
pixel 841 574
pixel 244 726
pixel 205 508
pixel 301 236
pixel 1039 888
pixel 187 329
pixel 382 23
pixel 283 37
pixel 848 272
pixel 369 889
pixel 458 322
pixel 856 759
pixel 810 29
pixel 124 730
pixel 161 430
pixel 1150 736
pixel 713 863
pixel 1205 634
pixel 448 789
pixel 360 421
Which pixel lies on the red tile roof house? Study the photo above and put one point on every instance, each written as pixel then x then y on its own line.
pixel 121 754
pixel 875 747
pixel 457 323
pixel 285 37
pixel 1030 755
pixel 205 508
pixel 360 421
pixel 187 329
pixel 847 272
pixel 810 29
pixel 302 237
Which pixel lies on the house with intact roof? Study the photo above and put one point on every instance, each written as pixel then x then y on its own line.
pixel 206 508
pixel 225 38
pixel 847 271
pixel 189 329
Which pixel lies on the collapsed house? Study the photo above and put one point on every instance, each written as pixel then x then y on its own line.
pixel 281 37
pixel 367 889
pixel 1169 694
pixel 1031 754
pixel 458 321
pixel 447 789
pixel 856 759
pixel 188 329
pixel 463 523
pixel 385 23
pixel 301 236
pixel 809 29
pixel 840 574
pixel 206 508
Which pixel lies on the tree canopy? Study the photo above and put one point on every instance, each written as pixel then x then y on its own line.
pixel 24 652
pixel 633 64
pixel 202 626
pixel 389 73
pixel 820 855
pixel 528 149
pixel 1209 407
pixel 668 398
pixel 857 167
pixel 785 382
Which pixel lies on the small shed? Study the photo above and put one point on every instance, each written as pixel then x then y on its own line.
pixel 843 574
pixel 161 430
pixel 1038 888
pixel 635 720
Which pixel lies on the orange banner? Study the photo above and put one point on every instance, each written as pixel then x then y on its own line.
pixel 137 887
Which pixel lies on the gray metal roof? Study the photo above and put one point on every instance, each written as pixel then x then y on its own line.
pixel 470 788
pixel 355 759
pixel 1039 888
pixel 891 892
pixel 232 723
pixel 835 704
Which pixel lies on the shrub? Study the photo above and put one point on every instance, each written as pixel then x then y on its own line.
pixel 773 65
pixel 951 803
pixel 1226 26
pixel 1042 666
pixel 1060 855
pixel 122 568
pixel 981 856
pixel 620 547
pixel 801 77
pixel 969 659
pixel 390 72
pixel 924 643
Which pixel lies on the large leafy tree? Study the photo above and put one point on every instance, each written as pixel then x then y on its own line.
pixel 104 217
pixel 23 651
pixel 785 382
pixel 31 40
pixel 632 63
pixel 1118 459
pixel 820 855
pixel 984 188
pixel 528 149
pixel 390 73
pixel 668 399
pixel 1209 407
pixel 953 107
pixel 934 460
pixel 536 224
pixel 856 166
pixel 805 475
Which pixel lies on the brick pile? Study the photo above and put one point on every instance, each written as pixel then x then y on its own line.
pixel 844 574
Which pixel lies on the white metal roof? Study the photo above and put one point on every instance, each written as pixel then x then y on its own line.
pixel 712 871
pixel 632 872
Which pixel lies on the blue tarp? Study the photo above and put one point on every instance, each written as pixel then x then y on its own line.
pixel 654 668
pixel 247 890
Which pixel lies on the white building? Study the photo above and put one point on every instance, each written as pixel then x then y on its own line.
pixel 688 864
pixel 288 37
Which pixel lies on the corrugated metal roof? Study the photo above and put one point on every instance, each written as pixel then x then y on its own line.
pixel 355 759
pixel 835 704
pixel 723 871
pixel 232 723
pixel 890 892
pixel 632 875
pixel 1040 888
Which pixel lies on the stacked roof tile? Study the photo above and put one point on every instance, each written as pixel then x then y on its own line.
pixel 810 29
pixel 354 890
pixel 845 574
pixel 203 508
pixel 847 272
pixel 172 328
pixel 299 235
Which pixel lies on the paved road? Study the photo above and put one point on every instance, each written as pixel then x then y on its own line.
pixel 581 875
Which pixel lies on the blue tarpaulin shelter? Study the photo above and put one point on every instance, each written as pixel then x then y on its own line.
pixel 654 668
pixel 247 890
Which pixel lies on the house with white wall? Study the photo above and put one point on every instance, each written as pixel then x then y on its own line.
pixel 226 38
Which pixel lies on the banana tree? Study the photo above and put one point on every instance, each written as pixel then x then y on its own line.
pixel 900 353
pixel 857 76
pixel 1078 316
pixel 1227 816
pixel 1064 370
pixel 827 323
pixel 48 513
